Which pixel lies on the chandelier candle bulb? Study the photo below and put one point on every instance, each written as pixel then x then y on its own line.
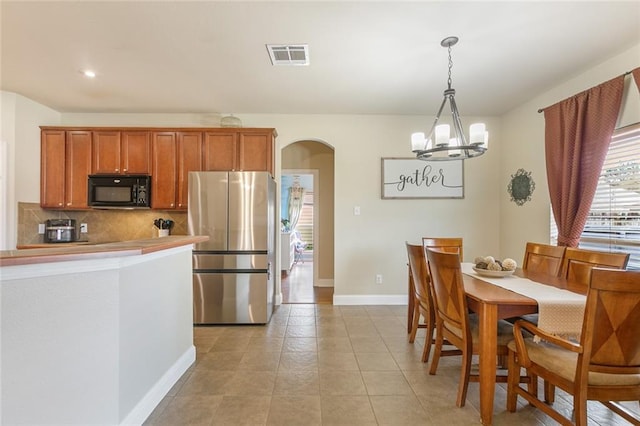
pixel 453 142
pixel 417 141
pixel 442 135
pixel 477 133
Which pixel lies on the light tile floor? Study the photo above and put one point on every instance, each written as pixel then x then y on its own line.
pixel 330 365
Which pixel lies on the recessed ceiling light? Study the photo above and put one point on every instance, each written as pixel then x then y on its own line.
pixel 89 73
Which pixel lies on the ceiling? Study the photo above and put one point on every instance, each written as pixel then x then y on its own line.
pixel 366 57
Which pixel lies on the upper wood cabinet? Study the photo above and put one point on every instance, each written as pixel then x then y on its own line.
pixel 189 159
pixel 175 154
pixel 163 170
pixel 121 152
pixel 70 154
pixel 52 164
pixel 65 164
pixel 239 149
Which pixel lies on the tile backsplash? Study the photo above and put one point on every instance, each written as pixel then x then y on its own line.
pixel 103 225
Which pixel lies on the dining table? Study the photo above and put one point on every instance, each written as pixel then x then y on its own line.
pixel 492 303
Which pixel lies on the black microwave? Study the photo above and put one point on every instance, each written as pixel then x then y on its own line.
pixel 119 191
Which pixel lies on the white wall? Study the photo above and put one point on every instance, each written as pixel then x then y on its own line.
pixel 373 243
pixel 21 118
pixel 523 147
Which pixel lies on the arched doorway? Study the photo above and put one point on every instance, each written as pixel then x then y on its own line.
pixel 307 169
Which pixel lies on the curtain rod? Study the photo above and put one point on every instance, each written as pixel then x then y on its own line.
pixel 542 109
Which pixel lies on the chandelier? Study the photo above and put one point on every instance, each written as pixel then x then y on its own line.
pixel 440 144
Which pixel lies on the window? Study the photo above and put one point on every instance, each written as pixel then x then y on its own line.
pixel 614 220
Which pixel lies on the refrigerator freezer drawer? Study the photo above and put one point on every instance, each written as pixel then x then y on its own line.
pixel 230 261
pixel 229 298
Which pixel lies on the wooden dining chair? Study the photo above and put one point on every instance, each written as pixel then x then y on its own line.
pixel 578 263
pixel 543 258
pixel 446 244
pixel 423 300
pixel 604 366
pixel 453 321
pixel 442 243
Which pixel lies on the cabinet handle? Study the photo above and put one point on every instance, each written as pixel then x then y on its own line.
pixel 171 204
pixel 60 204
pixel 124 170
pixel 68 204
pixel 117 170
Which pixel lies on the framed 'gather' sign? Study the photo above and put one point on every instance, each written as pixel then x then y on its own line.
pixel 413 178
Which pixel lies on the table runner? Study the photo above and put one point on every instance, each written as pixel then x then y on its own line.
pixel 560 312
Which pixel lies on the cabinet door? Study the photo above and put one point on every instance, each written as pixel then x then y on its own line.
pixel 52 164
pixel 220 151
pixel 163 170
pixel 256 152
pixel 189 160
pixel 106 152
pixel 136 153
pixel 78 168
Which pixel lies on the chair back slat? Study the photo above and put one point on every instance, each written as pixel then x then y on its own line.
pixel 419 273
pixel 610 333
pixel 543 258
pixel 448 291
pixel 578 263
pixel 446 244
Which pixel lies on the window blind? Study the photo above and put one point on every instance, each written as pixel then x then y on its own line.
pixel 614 220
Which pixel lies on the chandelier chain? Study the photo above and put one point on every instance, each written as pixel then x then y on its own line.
pixel 450 66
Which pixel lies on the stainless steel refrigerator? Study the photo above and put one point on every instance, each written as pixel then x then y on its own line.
pixel 233 280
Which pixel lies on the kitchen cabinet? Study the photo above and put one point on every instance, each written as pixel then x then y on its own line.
pixel 175 154
pixel 125 152
pixel 220 151
pixel 189 159
pixel 70 154
pixel 65 164
pixel 163 170
pixel 52 161
pixel 239 149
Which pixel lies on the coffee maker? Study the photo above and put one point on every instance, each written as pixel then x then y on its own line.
pixel 60 231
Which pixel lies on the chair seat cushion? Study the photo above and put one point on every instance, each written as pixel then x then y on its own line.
pixel 563 363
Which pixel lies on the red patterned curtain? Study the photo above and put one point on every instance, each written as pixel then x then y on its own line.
pixel 636 77
pixel 577 135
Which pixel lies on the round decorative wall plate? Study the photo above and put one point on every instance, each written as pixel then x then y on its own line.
pixel 521 187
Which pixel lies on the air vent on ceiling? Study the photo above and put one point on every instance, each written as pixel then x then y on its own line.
pixel 289 54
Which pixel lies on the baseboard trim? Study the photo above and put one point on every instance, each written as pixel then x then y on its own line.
pixel 154 396
pixel 370 299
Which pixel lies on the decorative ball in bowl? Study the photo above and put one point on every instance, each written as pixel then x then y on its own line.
pixel 488 266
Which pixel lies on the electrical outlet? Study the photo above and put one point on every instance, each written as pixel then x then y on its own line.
pixel 41 228
pixel 378 278
pixel 83 228
pixel 356 211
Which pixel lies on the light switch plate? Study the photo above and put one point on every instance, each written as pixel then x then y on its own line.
pixel 41 228
pixel 83 228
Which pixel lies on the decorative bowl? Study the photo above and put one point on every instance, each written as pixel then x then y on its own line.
pixel 492 274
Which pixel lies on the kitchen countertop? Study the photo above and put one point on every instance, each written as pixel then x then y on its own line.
pixel 83 251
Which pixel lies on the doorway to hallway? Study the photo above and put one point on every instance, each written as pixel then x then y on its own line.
pixel 307 210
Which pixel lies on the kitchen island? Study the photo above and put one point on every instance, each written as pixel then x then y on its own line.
pixel 94 334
